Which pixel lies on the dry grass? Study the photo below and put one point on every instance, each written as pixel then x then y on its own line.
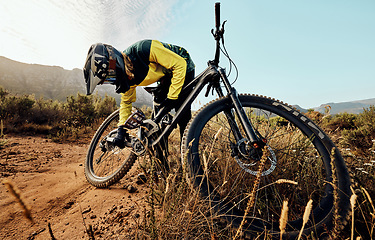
pixel 15 192
pixel 191 217
pixel 306 216
pixel 353 199
pixel 336 223
pixel 283 218
pixel 175 210
pixel 179 212
pixel 251 201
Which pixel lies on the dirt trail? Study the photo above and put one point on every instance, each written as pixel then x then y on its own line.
pixel 51 179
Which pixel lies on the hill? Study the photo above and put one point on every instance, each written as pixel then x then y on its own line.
pixel 348 107
pixel 52 82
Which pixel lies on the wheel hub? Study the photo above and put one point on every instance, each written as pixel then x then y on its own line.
pixel 248 158
pixel 138 146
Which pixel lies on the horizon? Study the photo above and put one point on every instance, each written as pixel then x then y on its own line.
pixel 316 108
pixel 303 53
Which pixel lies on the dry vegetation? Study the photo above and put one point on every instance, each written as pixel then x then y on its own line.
pixel 175 210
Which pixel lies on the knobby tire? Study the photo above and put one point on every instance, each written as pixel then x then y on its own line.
pixel 115 162
pixel 301 150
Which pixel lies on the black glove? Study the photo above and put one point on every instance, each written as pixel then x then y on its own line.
pixel 122 135
pixel 169 103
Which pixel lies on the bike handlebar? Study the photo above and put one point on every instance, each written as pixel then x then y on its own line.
pixel 217 34
pixel 217 16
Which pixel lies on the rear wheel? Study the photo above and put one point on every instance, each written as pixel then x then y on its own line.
pixel 105 163
pixel 296 168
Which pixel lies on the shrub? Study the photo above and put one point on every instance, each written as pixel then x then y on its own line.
pixel 46 112
pixel 61 121
pixel 79 110
pixel 362 135
pixel 339 121
pixel 314 115
pixel 3 93
pixel 104 107
pixel 16 108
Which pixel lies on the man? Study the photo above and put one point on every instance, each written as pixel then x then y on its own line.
pixel 141 64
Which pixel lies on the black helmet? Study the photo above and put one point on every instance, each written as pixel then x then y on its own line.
pixel 104 65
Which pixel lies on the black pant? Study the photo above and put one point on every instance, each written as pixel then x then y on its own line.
pixel 162 93
pixel 186 115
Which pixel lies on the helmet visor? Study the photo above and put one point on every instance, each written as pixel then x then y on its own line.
pixel 92 82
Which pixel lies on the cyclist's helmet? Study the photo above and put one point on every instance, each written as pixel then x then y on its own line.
pixel 104 65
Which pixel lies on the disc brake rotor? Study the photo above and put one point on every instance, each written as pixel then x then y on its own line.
pixel 139 146
pixel 248 158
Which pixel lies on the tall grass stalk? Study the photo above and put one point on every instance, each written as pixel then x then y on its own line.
pixel 352 203
pixel 2 136
pixel 306 216
pixel 206 173
pixel 283 218
pixel 279 181
pixel 154 230
pixel 370 227
pixel 336 216
pixel 251 201
pixel 193 192
pixel 13 190
pixel 1 128
pixel 370 200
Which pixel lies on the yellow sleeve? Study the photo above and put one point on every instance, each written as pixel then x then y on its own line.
pixel 170 60
pixel 126 104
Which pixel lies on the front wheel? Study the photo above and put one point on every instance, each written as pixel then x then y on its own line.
pixel 294 165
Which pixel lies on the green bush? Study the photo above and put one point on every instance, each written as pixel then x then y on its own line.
pixel 362 135
pixel 46 112
pixel 104 107
pixel 354 131
pixel 80 110
pixel 17 109
pixel 61 121
pixel 314 115
pixel 3 93
pixel 340 121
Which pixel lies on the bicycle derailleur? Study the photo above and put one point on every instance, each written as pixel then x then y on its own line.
pixel 138 145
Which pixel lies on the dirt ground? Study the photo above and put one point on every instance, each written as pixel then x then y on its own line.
pixel 50 177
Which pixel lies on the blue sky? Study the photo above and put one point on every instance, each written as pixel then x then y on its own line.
pixel 301 52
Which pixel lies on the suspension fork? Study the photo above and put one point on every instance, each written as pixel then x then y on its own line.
pixel 238 109
pixel 230 117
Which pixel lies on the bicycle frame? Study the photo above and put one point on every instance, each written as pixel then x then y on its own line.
pixel 213 75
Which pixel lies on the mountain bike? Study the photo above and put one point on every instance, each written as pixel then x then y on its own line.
pixel 245 154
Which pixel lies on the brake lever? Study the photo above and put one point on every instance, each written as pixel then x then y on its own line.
pixel 218 33
pixel 222 27
pixel 222 31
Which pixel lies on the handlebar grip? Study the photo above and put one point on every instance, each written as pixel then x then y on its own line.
pixel 217 15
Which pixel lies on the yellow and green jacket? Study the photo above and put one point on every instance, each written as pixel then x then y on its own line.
pixel 151 61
